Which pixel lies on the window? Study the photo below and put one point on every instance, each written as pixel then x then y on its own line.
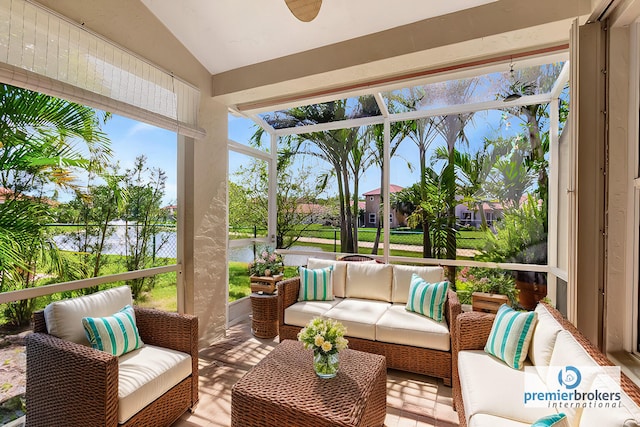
pixel 371 198
pixel 372 218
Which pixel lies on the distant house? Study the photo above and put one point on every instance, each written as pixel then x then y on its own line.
pixel 170 211
pixel 372 209
pixel 313 213
pixel 471 217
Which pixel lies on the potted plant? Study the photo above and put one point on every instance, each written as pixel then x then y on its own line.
pixel 521 237
pixel 264 270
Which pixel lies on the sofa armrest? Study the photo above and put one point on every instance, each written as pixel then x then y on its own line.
pixel 70 382
pixel 288 291
pixel 472 330
pixel 452 311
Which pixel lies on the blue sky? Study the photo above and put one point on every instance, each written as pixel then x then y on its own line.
pixel 487 124
pixel 130 138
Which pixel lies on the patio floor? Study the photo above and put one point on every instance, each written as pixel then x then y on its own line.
pixel 412 400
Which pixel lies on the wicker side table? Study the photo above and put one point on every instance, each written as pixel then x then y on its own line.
pixel 264 318
pixel 283 390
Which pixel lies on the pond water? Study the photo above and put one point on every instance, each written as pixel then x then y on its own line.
pixel 245 254
pixel 166 247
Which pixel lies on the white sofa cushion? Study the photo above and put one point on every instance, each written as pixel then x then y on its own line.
pixel 491 387
pixel 544 337
pixel 359 316
pixel 568 352
pixel 64 318
pixel 485 420
pixel 300 313
pixel 370 281
pixel 610 417
pixel 399 326
pixel 402 279
pixel 339 273
pixel 145 375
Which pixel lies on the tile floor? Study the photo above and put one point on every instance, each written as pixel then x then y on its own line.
pixel 412 400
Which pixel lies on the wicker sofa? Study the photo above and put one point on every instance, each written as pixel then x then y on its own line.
pixel 370 300
pixel 487 392
pixel 70 383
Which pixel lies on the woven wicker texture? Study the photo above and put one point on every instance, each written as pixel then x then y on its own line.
pixel 264 320
pixel 473 331
pixel 418 360
pixel 76 385
pixel 283 390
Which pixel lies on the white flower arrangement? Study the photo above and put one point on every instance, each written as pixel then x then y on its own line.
pixel 324 335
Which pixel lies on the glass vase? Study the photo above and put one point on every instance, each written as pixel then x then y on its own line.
pixel 325 365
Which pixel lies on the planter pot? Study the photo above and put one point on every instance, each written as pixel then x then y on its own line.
pixel 265 284
pixel 532 287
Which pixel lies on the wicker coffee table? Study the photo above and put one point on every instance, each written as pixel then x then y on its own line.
pixel 283 390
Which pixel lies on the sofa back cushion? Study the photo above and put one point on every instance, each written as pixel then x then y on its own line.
pixel 544 337
pixel 402 279
pixel 568 352
pixel 339 275
pixel 369 281
pixel 64 318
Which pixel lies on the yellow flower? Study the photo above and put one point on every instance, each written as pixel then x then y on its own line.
pixel 326 346
pixel 319 341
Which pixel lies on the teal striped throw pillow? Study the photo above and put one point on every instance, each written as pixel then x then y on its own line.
pixel 427 298
pixel 316 285
pixel 555 420
pixel 510 335
pixel 116 334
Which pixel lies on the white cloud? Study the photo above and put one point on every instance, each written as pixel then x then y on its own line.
pixel 140 128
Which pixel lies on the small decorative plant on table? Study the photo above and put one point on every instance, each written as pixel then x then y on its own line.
pixel 265 271
pixel 326 338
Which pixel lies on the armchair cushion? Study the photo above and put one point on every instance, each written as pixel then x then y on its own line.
pixel 64 318
pixel 146 374
pixel 116 334
pixel 427 298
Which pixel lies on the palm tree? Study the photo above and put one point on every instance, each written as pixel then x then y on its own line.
pixel 342 149
pixel 474 169
pixel 39 136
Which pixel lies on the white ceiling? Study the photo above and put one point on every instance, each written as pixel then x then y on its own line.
pixel 228 34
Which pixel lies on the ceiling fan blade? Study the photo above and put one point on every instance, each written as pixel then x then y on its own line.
pixel 304 10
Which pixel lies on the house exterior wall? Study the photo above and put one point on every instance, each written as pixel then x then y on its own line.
pixel 372 206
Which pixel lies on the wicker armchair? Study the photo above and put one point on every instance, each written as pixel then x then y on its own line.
pixel 75 385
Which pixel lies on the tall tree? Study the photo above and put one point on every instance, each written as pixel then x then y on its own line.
pixel 40 148
pixel 341 149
